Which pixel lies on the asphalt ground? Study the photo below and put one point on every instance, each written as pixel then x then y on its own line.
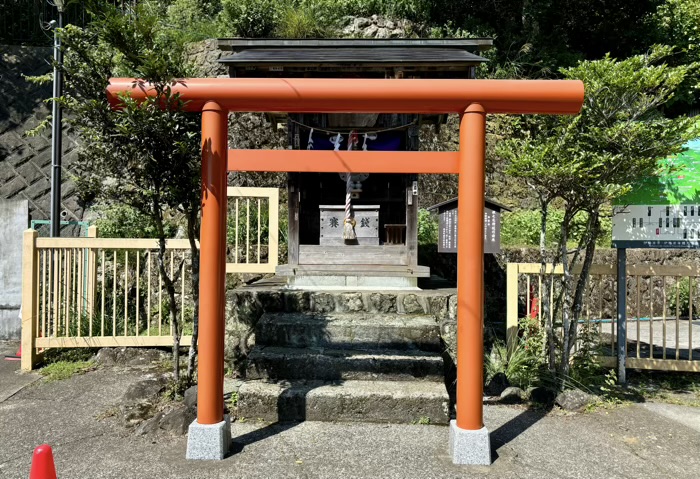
pixel 73 416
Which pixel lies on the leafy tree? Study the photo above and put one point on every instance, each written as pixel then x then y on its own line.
pixel 588 160
pixel 144 156
pixel 117 220
pixel 677 23
pixel 555 34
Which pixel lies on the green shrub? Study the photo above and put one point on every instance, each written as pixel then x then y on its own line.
pixel 427 228
pixel 524 361
pixel 193 19
pixel 118 220
pixel 522 228
pixel 305 21
pixel 679 297
pixel 250 18
pixel 414 10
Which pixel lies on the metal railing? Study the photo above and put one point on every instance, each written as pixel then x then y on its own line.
pixel 662 330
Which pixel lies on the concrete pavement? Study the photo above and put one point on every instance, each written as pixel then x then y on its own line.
pixel 625 442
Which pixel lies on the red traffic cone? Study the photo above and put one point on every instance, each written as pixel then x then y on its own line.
pixel 16 357
pixel 42 463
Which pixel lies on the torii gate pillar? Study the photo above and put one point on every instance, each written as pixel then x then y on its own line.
pixel 210 434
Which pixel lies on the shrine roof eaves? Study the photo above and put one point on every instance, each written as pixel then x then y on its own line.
pixel 452 203
pixel 239 44
pixel 361 55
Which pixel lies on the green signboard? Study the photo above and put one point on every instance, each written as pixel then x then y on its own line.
pixel 662 211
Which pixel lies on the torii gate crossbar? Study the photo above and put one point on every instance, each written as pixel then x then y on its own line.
pixel 471 99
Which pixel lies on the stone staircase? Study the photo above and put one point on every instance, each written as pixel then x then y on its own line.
pixel 345 366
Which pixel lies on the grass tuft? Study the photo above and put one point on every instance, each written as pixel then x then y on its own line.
pixel 60 370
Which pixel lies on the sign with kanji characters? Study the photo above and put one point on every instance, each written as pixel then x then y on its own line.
pixel 447 232
pixel 662 211
pixel 366 224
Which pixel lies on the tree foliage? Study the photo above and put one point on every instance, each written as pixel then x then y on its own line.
pixel 144 155
pixel 587 161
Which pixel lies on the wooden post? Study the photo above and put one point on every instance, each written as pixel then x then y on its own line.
pixel 512 306
pixel 91 274
pixel 470 269
pixel 622 316
pixel 293 238
pixel 210 391
pixel 411 224
pixel 30 290
pixel 274 227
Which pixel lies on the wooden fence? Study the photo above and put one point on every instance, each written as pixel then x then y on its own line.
pixel 248 244
pixel 662 330
pixel 107 292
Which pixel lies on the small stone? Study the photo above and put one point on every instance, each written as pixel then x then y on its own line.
pixel 574 400
pixel 191 397
pixel 497 384
pixel 438 307
pixel 106 357
pixel 383 303
pixel 177 421
pixel 149 426
pixel 350 302
pixel 370 31
pixel 381 22
pixel 540 395
pixel 296 301
pixel 361 22
pixel 452 307
pixel 411 305
pixel 390 25
pixel 251 277
pixel 129 356
pixel 512 395
pixel 322 303
pixel 145 389
pixel 134 413
pixel 382 33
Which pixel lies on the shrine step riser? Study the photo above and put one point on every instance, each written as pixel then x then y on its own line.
pixel 291 363
pixel 362 401
pixel 349 331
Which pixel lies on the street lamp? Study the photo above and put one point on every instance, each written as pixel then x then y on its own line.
pixel 56 132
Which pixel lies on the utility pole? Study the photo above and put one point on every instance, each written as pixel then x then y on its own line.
pixel 56 130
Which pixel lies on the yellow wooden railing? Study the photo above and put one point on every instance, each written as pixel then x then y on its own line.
pixel 247 253
pixel 107 292
pixel 661 334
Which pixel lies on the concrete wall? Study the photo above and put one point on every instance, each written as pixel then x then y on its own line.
pixel 14 219
pixel 25 161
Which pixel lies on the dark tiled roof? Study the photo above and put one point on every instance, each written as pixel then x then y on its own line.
pixel 238 44
pixel 376 55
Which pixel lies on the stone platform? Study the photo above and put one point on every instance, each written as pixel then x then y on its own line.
pixel 333 355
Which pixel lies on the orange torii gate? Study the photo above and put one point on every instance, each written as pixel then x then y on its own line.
pixel 471 99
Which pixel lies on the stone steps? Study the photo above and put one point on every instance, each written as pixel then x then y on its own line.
pixel 362 401
pixel 363 331
pixel 344 356
pixel 271 362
